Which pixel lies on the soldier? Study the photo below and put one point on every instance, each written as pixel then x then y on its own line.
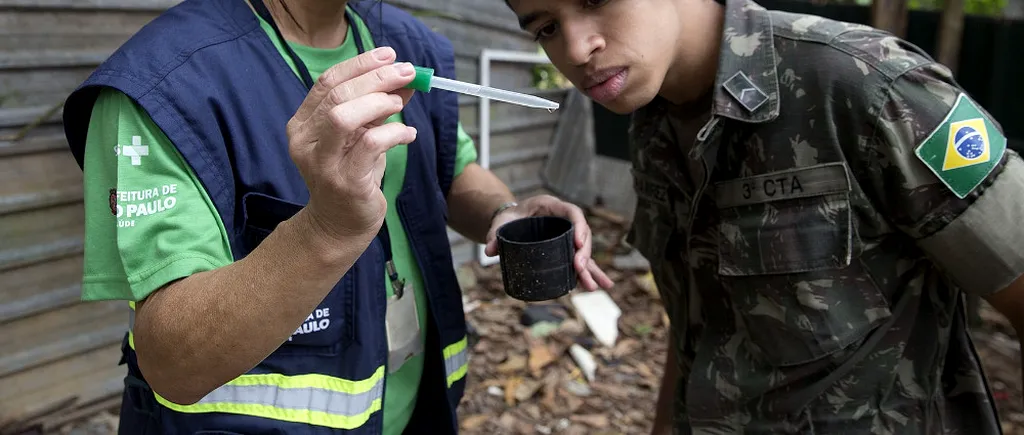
pixel 815 198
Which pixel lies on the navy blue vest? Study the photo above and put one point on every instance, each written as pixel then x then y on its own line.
pixel 211 79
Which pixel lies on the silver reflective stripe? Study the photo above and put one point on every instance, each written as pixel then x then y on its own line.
pixel 455 362
pixel 305 399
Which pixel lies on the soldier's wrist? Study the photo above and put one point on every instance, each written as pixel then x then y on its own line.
pixel 508 205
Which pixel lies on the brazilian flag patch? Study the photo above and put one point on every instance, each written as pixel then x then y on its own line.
pixel 963 150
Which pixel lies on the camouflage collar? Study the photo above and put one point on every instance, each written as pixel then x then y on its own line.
pixel 747 84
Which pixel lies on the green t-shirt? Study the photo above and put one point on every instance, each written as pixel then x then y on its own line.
pixel 156 222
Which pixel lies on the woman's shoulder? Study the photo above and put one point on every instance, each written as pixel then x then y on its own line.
pixel 392 21
pixel 181 31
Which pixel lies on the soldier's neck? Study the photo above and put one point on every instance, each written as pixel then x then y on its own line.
pixel 699 60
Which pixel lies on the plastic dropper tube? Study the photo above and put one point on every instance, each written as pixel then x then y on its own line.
pixel 425 81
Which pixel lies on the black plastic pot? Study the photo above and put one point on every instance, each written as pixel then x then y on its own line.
pixel 536 258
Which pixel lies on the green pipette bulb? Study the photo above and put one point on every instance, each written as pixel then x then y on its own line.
pixel 425 81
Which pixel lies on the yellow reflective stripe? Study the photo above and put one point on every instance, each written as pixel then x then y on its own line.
pixel 292 415
pixel 455 348
pixel 309 398
pixel 131 325
pixel 458 374
pixel 322 382
pixel 456 361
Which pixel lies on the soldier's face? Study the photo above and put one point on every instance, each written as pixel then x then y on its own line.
pixel 616 51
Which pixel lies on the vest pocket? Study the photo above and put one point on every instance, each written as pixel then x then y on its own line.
pixel 788 266
pixel 329 326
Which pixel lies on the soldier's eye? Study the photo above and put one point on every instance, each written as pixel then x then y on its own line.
pixel 545 31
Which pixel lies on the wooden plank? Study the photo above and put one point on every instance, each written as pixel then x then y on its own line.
pixel 519 156
pixel 469 39
pixel 31 30
pixel 53 58
pixel 53 335
pixel 41 139
pixel 520 176
pixel 508 148
pixel 19 116
pixel 31 87
pixel 38 288
pixel 513 126
pixel 124 5
pixel 484 13
pixel 503 74
pixel 40 235
pixel 33 181
pixel 82 378
pixel 52 423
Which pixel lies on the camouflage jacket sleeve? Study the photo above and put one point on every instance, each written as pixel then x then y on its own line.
pixel 941 172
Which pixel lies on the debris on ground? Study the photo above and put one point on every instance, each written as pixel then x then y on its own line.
pixel 541 368
pixel 586 363
pixel 545 368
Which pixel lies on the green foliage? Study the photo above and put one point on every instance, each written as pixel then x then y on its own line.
pixel 971 7
pixel 546 76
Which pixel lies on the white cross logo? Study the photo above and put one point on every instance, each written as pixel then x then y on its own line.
pixel 136 150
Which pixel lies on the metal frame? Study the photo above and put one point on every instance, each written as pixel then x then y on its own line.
pixel 486 57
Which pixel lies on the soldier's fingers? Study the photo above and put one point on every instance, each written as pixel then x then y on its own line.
pixel 599 276
pixel 340 73
pixel 586 281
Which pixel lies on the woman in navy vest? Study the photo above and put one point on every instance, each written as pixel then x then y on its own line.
pixel 276 212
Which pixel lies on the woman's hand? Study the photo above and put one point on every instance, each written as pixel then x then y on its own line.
pixel 590 276
pixel 338 140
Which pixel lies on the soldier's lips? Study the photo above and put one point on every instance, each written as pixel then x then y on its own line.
pixel 609 86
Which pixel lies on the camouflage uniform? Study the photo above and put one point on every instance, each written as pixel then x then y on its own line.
pixel 812 234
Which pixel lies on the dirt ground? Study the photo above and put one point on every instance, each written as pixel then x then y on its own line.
pixel 524 379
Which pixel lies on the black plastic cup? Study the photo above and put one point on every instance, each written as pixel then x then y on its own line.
pixel 536 258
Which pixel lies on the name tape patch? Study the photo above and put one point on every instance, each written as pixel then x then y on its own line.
pixel 650 189
pixel 788 184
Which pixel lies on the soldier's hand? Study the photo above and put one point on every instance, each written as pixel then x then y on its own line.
pixel 338 140
pixel 589 274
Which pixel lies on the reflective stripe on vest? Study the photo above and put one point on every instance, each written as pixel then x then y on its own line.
pixel 311 398
pixel 456 361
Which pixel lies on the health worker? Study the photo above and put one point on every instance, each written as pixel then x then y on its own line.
pixel 272 202
pixel 816 198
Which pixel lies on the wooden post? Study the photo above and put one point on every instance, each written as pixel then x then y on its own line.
pixel 890 15
pixel 951 30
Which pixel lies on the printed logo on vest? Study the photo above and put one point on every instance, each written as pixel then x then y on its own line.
pixel 136 150
pixel 129 205
pixel 318 321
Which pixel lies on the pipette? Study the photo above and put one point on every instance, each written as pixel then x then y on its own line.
pixel 425 81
